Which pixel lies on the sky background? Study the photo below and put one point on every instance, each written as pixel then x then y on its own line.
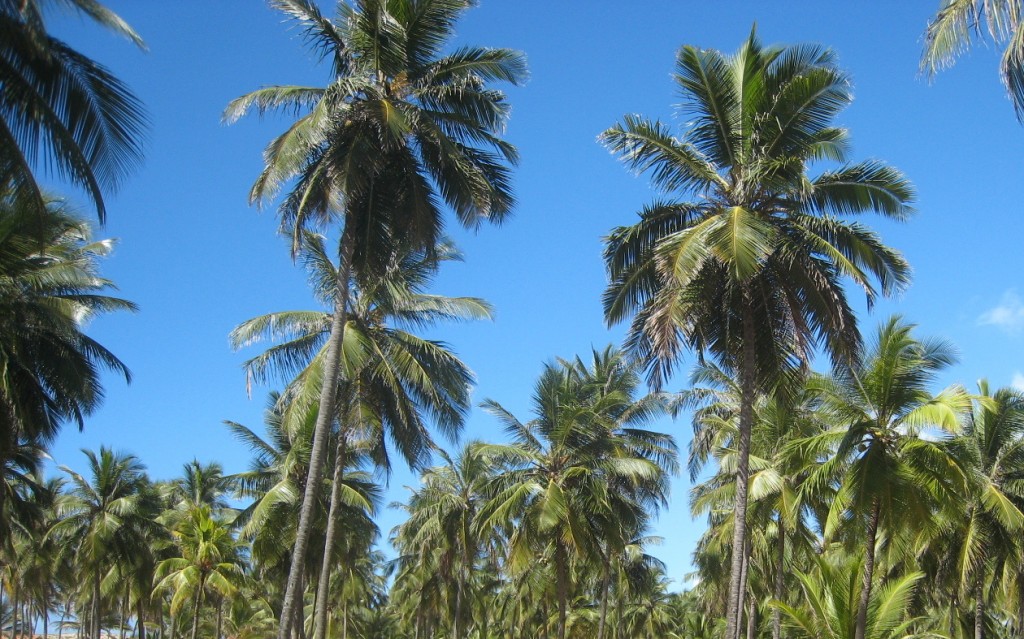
pixel 198 260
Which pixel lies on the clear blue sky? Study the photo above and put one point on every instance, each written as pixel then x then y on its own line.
pixel 198 260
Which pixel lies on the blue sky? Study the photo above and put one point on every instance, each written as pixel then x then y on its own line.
pixel 199 260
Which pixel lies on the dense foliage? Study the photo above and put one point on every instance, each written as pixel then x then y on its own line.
pixel 858 502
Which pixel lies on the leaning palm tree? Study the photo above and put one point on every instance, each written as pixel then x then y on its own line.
pixel 748 265
pixel 958 22
pixel 400 129
pixel 53 99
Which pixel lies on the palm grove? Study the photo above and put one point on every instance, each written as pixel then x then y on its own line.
pixel 857 502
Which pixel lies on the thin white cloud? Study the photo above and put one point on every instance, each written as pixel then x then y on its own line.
pixel 1018 381
pixel 1008 315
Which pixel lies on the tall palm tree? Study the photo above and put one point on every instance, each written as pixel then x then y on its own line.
pixel 887 472
pixel 49 287
pixel 209 561
pixel 400 129
pixel 780 509
pixel 105 519
pixel 442 532
pixel 954 27
pixel 748 266
pixel 391 380
pixel 985 524
pixel 584 461
pixel 87 123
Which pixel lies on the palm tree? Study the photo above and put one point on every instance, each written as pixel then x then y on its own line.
pixel 49 288
pixel 442 533
pixel 953 29
pixel 583 462
pixel 87 122
pixel 391 379
pixel 106 519
pixel 830 591
pixel 750 269
pixel 399 129
pixel 209 561
pixel 984 524
pixel 779 504
pixel 887 472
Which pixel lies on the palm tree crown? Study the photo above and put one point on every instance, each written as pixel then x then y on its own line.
pixel 749 266
pixel 87 123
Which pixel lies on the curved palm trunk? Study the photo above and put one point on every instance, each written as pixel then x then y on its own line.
pixel 739 532
pixel 869 571
pixel 323 585
pixel 293 592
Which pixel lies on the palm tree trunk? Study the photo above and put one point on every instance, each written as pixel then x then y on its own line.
pixel 63 618
pixel 979 606
pixel 562 585
pixel 96 604
pixel 605 579
pixel 328 394
pixel 334 510
pixel 752 619
pixel 869 571
pixel 46 621
pixel 124 613
pixel 780 581
pixel 739 531
pixel 220 618
pixel 344 620
pixel 140 619
pixel 195 613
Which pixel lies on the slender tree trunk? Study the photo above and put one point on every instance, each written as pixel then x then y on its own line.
pixel 334 510
pixel 743 588
pixel 96 604
pixel 15 596
pixel 140 616
pixel 195 613
pixel 752 619
pixel 124 614
pixel 63 617
pixel 46 621
pixel 780 581
pixel 739 533
pixel 220 618
pixel 562 585
pixel 869 571
pixel 979 606
pixel 605 579
pixel 328 395
pixel 344 620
